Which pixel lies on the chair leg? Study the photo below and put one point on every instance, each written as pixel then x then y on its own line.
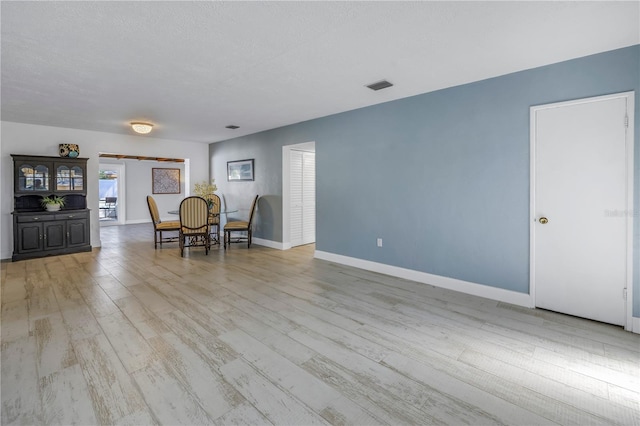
pixel 155 239
pixel 160 239
pixel 249 238
pixel 181 244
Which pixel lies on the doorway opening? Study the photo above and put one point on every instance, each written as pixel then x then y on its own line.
pixel 298 195
pixel 111 194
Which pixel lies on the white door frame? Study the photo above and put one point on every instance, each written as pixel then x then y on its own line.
pixel 630 97
pixel 121 207
pixel 286 188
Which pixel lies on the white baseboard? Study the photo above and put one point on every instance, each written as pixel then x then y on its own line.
pixel 136 221
pixel 635 326
pixel 494 293
pixel 267 243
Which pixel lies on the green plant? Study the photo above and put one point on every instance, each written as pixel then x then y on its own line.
pixel 53 199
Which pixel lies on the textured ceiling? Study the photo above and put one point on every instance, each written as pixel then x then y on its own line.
pixel 194 67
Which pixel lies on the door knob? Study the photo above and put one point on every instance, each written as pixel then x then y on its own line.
pixel 544 220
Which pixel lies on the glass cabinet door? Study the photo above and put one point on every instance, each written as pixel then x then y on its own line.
pixel 77 178
pixel 32 178
pixel 69 178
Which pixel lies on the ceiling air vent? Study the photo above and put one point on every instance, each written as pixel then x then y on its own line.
pixel 383 84
pixel 232 127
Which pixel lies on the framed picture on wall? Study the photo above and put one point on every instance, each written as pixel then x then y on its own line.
pixel 240 170
pixel 165 181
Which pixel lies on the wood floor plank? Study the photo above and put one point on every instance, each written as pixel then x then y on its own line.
pixel 625 397
pixel 54 351
pixel 80 322
pixel 97 300
pixel 279 407
pixel 13 288
pixel 372 374
pixel 625 375
pixel 20 390
pixel 197 375
pixel 497 409
pixel 132 349
pixel 324 312
pixel 65 398
pixel 167 398
pixel 244 414
pixel 583 400
pixel 267 316
pixel 545 338
pixel 67 295
pixel 135 311
pixel 544 369
pixel 511 391
pixel 382 405
pixel 274 339
pixel 316 394
pixel 15 320
pixel 42 302
pixel 206 318
pixel 113 394
pixel 151 300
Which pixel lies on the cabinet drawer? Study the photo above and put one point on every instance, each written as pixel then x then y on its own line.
pixel 71 215
pixel 33 218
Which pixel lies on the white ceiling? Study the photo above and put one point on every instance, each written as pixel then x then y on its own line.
pixel 194 67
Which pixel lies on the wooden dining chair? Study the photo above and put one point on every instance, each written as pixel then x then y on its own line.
pixel 240 226
pixel 159 226
pixel 194 224
pixel 214 217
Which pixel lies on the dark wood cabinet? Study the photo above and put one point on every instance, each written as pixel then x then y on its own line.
pixel 37 232
pixel 27 238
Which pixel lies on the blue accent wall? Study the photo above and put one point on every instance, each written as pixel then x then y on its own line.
pixel 442 177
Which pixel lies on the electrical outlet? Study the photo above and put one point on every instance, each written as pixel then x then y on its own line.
pixel 379 242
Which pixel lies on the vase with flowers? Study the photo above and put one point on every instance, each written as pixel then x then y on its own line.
pixel 205 190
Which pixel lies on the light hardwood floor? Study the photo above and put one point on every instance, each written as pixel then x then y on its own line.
pixel 132 335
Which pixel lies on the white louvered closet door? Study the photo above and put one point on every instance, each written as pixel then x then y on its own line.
pixel 303 197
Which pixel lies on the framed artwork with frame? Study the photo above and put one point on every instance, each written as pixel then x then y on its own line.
pixel 165 181
pixel 240 170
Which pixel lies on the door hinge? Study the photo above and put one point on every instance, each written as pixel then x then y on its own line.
pixel 626 121
pixel 624 293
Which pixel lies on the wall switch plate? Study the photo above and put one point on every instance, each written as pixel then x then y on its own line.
pixel 379 242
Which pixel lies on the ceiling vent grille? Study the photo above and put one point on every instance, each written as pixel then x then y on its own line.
pixel 383 84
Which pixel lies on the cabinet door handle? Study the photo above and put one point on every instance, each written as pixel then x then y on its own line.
pixel 36 218
pixel 67 235
pixel 71 216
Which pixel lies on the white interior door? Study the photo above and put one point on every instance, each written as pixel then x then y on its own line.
pixel 580 175
pixel 302 171
pixel 309 197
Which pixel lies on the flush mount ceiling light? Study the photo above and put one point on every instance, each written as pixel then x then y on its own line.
pixel 383 84
pixel 142 128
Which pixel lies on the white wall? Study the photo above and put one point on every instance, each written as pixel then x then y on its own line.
pixel 19 138
pixel 138 185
